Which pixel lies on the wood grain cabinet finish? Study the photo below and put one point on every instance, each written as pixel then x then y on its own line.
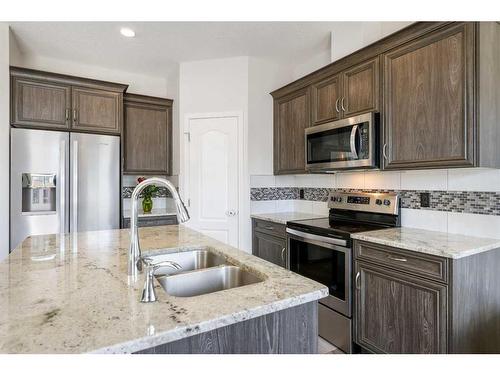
pixel 435 85
pixel 325 96
pixel 429 110
pixel 40 104
pixel 426 304
pixel 97 110
pixel 397 313
pixel 291 117
pixel 361 88
pixel 147 135
pixel 269 242
pixel 54 101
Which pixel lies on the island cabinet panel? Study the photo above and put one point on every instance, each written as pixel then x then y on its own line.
pixel 290 331
pixel 40 104
pixel 399 313
pixel 147 135
pixel 269 242
pixel 429 108
pixel 291 117
pixel 97 110
pixel 361 88
pixel 325 97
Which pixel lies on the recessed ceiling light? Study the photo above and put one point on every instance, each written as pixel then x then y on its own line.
pixel 129 33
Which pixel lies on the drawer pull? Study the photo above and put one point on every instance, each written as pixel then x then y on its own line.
pixel 397 259
pixel 269 227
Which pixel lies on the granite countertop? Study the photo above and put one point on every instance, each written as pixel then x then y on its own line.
pixel 71 293
pixel 283 217
pixel 155 212
pixel 442 244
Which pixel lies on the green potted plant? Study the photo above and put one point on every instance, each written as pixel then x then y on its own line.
pixel 147 196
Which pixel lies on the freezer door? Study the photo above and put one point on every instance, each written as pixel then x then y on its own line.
pixel 39 183
pixel 95 182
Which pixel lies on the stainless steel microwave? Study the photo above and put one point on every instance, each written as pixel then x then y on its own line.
pixel 349 143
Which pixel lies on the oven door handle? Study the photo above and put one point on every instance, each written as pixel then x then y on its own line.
pixel 354 131
pixel 315 237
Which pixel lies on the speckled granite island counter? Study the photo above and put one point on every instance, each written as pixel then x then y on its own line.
pixel 71 294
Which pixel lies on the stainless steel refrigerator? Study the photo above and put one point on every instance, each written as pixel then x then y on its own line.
pixel 63 182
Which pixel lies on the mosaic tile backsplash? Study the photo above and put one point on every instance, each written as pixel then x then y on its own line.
pixel 161 193
pixel 484 203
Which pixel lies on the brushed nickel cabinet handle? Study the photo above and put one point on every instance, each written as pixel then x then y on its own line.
pixel 337 105
pixel 269 227
pixel 384 151
pixel 342 103
pixel 67 114
pixel 74 115
pixel 283 254
pixel 397 259
pixel 358 277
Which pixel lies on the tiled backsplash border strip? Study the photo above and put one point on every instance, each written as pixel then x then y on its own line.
pixel 474 202
pixel 161 193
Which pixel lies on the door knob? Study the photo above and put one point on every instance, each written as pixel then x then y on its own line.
pixel 231 212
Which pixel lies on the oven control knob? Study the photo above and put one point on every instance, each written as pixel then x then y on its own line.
pixel 387 202
pixel 339 199
pixel 378 202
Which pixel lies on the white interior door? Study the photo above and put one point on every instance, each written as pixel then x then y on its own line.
pixel 213 177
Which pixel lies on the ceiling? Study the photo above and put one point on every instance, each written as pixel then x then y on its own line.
pixel 158 46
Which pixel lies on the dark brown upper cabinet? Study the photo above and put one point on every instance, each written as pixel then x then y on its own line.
pixel 361 88
pixel 325 97
pixel 429 113
pixel 354 91
pixel 97 110
pixel 147 135
pixel 60 102
pixel 40 104
pixel 291 117
pixel 435 85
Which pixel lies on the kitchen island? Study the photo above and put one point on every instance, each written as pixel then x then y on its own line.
pixel 72 294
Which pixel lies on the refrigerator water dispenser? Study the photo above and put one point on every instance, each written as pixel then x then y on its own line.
pixel 39 193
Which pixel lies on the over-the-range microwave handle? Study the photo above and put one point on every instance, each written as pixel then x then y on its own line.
pixel 354 151
pixel 314 237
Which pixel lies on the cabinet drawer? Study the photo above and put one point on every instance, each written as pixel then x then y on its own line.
pixel 268 227
pixel 424 265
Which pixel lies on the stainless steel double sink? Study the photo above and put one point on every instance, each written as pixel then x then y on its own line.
pixel 203 272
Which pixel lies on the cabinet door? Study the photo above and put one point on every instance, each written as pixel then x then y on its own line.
pixel 399 313
pixel 326 96
pixel 428 103
pixel 40 104
pixel 270 248
pixel 147 139
pixel 97 110
pixel 291 117
pixel 361 88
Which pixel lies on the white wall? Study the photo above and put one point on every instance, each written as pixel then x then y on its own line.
pixel 215 86
pixel 346 38
pixel 4 139
pixel 138 83
pixel 264 76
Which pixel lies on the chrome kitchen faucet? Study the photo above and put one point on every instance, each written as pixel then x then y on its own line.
pixel 134 254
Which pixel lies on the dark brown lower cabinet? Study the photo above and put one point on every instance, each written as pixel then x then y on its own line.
pixel 269 242
pixel 409 302
pixel 398 313
pixel 154 221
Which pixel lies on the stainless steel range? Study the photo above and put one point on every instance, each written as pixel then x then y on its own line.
pixel 321 249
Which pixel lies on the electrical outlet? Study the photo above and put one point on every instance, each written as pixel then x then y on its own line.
pixel 301 193
pixel 425 199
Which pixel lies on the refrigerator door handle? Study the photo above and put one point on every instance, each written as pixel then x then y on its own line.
pixel 62 187
pixel 74 224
